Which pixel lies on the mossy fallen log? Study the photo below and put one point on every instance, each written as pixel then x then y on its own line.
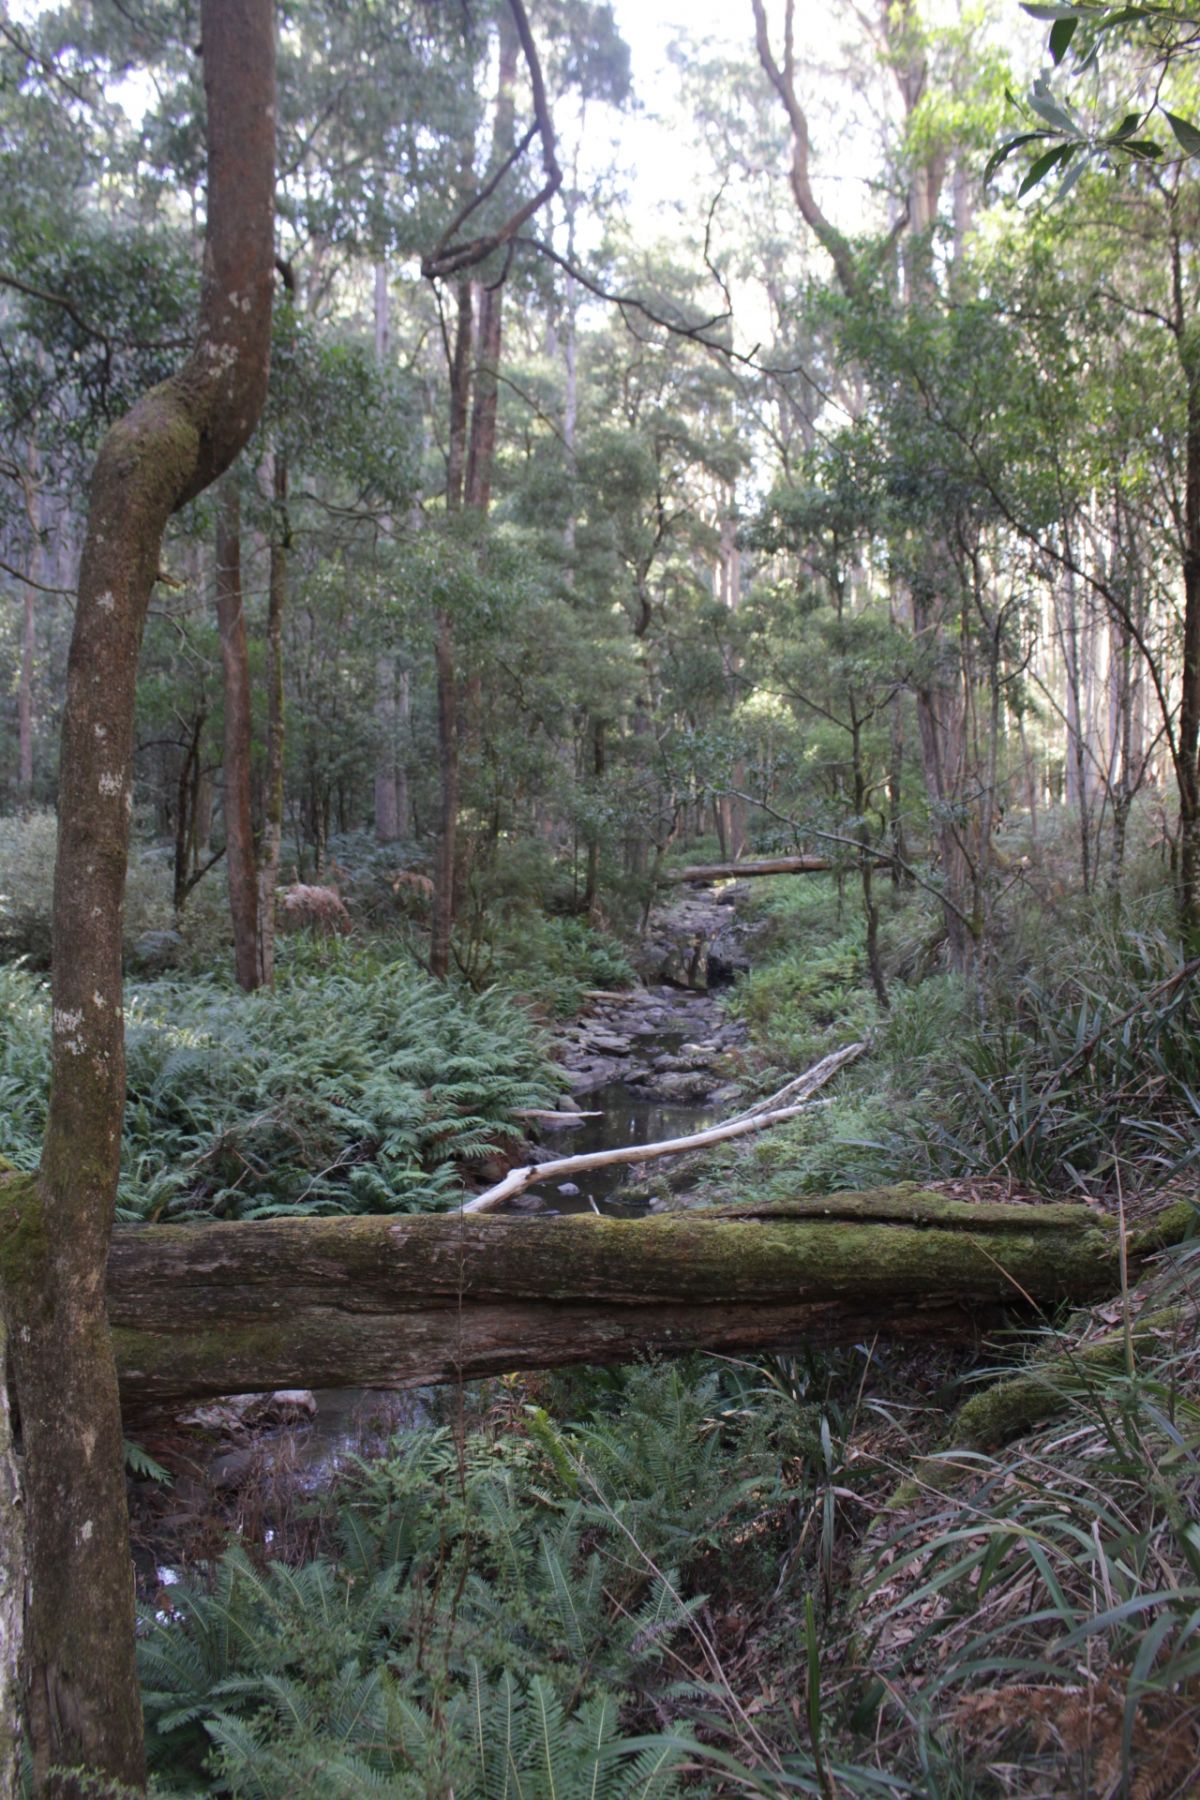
pixel 703 873
pixel 391 1302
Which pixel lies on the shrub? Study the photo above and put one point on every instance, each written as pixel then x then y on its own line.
pixel 552 961
pixel 27 851
pixel 353 1088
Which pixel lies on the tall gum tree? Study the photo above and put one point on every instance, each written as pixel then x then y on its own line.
pixel 82 1705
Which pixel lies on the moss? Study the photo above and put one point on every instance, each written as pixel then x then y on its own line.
pixel 24 1239
pixel 1171 1226
pixel 173 1353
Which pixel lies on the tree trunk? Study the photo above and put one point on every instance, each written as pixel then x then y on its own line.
pixel 271 847
pixel 391 1302
pixel 191 831
pixel 12 1595
pixel 442 926
pixel 591 886
pixel 1188 768
pixel 387 797
pixel 446 857
pixel 33 511
pixel 82 1705
pixel 702 873
pixel 240 859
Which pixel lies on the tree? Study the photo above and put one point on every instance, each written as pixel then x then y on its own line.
pixel 82 1705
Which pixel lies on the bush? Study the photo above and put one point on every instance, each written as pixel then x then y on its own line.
pixel 28 844
pixel 356 1087
pixel 553 961
pixel 484 1619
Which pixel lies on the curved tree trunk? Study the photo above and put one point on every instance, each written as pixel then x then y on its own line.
pixel 83 1710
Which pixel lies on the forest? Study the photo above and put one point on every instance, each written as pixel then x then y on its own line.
pixel 599 899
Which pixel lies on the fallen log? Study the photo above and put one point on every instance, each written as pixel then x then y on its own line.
pixel 394 1302
pixel 702 873
pixel 734 871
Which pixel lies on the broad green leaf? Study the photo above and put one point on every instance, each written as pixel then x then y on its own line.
pixel 1047 107
pixel 1070 178
pixel 1061 33
pixel 1187 135
pixel 1000 156
pixel 1040 168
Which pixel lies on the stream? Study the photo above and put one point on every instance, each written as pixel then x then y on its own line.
pixel 653 1062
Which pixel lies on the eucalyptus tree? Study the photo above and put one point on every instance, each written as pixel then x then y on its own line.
pixel 82 1705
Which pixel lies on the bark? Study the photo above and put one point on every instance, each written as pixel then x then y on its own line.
pixel 387 792
pixel 193 817
pixel 12 1595
pixel 481 451
pixel 452 256
pixel 446 857
pixel 33 510
pixel 271 846
pixel 460 392
pixel 378 1302
pixel 240 858
pixel 774 865
pixel 782 79
pixel 82 1705
pixel 442 926
pixel 591 888
pixel 1188 769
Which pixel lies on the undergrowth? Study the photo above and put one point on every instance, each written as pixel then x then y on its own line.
pixel 1072 1071
pixel 510 1612
pixel 360 1085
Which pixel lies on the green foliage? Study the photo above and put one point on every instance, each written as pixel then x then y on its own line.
pixel 1158 37
pixel 27 851
pixel 1079 1081
pixel 553 960
pixel 356 1087
pixel 793 1002
pixel 1091 1524
pixel 491 1609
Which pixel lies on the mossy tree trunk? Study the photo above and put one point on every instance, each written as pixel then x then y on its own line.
pixel 379 1302
pixel 82 1705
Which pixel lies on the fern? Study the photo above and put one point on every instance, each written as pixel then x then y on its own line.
pixel 359 1090
pixel 479 1631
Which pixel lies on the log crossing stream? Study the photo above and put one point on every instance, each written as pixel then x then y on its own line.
pixel 651 1062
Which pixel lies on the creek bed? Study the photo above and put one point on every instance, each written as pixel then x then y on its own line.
pixel 626 1117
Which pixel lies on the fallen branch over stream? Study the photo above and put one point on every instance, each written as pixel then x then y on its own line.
pixel 392 1302
pixel 786 1104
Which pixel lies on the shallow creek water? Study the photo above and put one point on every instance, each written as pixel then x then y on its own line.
pixel 626 1117
pixel 308 1453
